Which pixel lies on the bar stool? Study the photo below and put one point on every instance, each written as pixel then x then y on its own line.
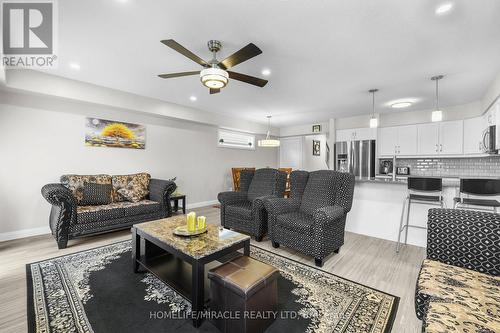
pixel 478 187
pixel 420 191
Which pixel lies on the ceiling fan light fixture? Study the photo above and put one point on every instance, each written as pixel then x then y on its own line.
pixel 214 78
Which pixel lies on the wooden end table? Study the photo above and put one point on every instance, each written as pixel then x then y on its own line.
pixel 179 261
pixel 176 199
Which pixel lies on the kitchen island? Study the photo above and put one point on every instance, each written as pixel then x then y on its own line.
pixel 377 206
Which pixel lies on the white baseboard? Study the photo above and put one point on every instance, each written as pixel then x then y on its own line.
pixel 5 236
pixel 202 204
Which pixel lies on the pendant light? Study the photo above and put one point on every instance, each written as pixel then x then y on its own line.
pixel 437 114
pixel 268 142
pixel 373 119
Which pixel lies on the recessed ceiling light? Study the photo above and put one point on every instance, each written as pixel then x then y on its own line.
pixel 75 66
pixel 444 8
pixel 266 72
pixel 400 105
pixel 193 98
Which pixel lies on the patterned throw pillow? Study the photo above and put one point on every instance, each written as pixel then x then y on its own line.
pixel 134 191
pixel 122 181
pixel 96 194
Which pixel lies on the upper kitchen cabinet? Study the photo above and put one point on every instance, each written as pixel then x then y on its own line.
pixel 407 140
pixel 473 135
pixel 451 137
pixel 356 134
pixel 443 138
pixel 428 139
pixel 399 140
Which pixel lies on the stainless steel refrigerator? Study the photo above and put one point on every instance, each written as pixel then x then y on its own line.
pixel 356 157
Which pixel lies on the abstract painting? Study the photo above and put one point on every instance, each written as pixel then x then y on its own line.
pixel 109 133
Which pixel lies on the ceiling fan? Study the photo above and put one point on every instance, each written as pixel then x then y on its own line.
pixel 215 74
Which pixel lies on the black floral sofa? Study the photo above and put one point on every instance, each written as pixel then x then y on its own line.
pixel 84 205
pixel 458 288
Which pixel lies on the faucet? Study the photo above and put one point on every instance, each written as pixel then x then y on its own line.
pixel 394 168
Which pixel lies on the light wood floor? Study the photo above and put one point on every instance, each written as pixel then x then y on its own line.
pixel 363 259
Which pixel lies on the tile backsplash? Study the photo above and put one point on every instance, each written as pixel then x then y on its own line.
pixel 453 167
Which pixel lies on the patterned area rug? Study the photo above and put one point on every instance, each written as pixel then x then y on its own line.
pixel 96 291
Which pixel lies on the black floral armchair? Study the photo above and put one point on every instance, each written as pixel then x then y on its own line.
pixel 244 210
pixel 312 220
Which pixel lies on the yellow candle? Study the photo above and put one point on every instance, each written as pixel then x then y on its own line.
pixel 191 222
pixel 202 222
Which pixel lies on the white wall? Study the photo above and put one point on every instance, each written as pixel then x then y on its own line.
pixel 38 145
pixel 491 94
pixel 309 161
pixel 302 129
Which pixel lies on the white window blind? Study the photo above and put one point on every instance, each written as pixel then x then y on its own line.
pixel 230 139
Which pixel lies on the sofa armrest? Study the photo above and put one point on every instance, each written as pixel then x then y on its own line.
pixel 232 197
pixel 63 213
pixel 464 238
pixel 329 214
pixel 160 191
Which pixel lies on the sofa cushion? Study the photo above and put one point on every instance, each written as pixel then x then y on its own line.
pixel 114 210
pixel 141 207
pixel 134 191
pixel 75 183
pixel 455 317
pixel 96 194
pixel 296 221
pixel 447 283
pixel 121 181
pixel 242 209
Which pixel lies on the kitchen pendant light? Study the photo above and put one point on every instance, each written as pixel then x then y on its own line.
pixel 373 119
pixel 268 142
pixel 437 114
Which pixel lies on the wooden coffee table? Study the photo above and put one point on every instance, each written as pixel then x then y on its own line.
pixel 180 261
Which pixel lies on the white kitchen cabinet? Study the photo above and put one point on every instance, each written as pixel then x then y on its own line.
pixel 428 139
pixel 451 138
pixel 407 140
pixel 356 134
pixel 343 135
pixel 387 140
pixel 473 135
pixel 443 138
pixel 398 140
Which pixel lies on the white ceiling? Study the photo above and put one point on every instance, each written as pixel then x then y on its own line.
pixel 324 55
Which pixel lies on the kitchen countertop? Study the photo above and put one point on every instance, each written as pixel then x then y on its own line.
pixel 448 181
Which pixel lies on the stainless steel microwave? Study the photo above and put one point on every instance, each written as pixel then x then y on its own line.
pixel 489 140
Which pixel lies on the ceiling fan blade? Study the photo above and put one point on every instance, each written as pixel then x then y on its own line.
pixel 171 75
pixel 214 91
pixel 185 52
pixel 247 52
pixel 247 79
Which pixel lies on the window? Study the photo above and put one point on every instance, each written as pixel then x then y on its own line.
pixel 229 139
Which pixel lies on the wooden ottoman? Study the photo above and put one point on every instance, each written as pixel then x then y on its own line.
pixel 244 295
